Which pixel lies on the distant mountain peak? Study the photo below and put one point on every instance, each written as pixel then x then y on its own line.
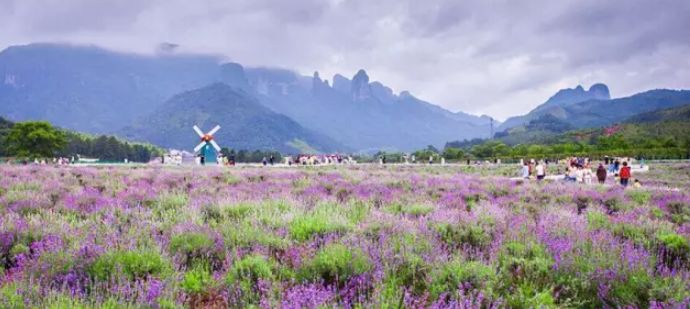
pixel 317 84
pixel 360 88
pixel 600 91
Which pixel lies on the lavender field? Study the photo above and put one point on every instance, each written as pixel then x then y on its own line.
pixel 347 237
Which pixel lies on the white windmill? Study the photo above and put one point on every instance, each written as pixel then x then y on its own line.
pixel 207 146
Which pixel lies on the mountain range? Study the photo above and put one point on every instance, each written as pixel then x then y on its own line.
pixel 578 108
pixel 94 90
pixel 157 98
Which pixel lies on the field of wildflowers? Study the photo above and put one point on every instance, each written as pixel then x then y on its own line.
pixel 360 236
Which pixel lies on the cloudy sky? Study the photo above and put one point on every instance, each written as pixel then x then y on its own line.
pixel 499 57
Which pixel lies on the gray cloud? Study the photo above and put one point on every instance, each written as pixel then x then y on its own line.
pixel 499 57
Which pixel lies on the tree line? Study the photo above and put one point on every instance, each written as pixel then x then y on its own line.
pixel 247 156
pixel 39 139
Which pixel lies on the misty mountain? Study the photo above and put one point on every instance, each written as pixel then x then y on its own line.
pixel 562 99
pixel 90 89
pixel 596 111
pixel 362 114
pixel 94 90
pixel 245 123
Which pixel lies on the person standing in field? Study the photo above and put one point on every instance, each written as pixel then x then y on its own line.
pixel 588 175
pixel 601 174
pixel 525 170
pixel 579 174
pixel 541 171
pixel 625 174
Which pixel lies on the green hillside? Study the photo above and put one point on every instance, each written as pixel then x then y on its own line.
pixel 245 123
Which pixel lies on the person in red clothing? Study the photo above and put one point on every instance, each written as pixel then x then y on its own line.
pixel 625 174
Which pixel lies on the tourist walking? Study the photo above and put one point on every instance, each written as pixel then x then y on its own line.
pixel 541 171
pixel 625 174
pixel 601 174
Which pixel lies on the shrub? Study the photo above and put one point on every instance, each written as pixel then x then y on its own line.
pixel 211 214
pixel 456 235
pixel 632 232
pixel 631 291
pixel 246 235
pixel 305 227
pixel 52 266
pixel 248 270
pixel 640 197
pixel 133 264
pixel 172 201
pixel 335 263
pixel 357 211
pixel 245 275
pixel 10 297
pixel 411 272
pixel 527 267
pixel 196 247
pixel 237 211
pixel 197 280
pixel 452 275
pixel 597 220
pixel 676 248
pixel 679 211
pixel 582 202
pixel 612 204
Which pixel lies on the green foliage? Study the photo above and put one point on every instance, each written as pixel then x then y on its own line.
pixel 10 297
pixel 55 265
pixel 250 269
pixel 133 264
pixel 197 280
pixel 318 223
pixel 451 153
pixel 237 211
pixel 335 263
pixel 451 275
pixel 640 197
pixel 679 211
pixel 34 139
pixel 527 267
pixel 597 220
pixel 677 247
pixel 413 209
pixel 107 148
pixel 195 248
pixel 632 232
pixel 458 235
pixel 247 234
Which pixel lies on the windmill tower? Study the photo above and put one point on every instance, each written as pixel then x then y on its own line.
pixel 208 148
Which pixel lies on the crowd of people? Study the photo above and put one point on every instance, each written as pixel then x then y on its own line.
pixel 579 170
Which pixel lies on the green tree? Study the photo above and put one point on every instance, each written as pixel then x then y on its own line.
pixel 452 153
pixel 35 139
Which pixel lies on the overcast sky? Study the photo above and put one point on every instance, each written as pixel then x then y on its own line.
pixel 487 56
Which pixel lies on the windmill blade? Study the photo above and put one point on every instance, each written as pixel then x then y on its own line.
pixel 198 147
pixel 214 130
pixel 215 145
pixel 198 131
